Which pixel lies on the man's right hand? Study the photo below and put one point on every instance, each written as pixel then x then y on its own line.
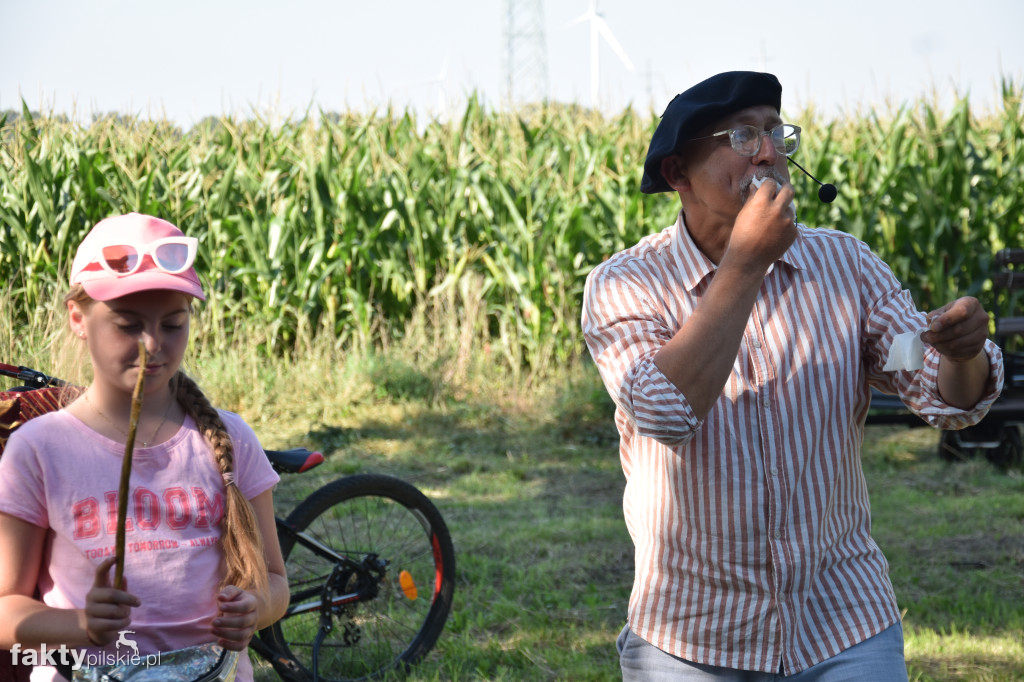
pixel 765 227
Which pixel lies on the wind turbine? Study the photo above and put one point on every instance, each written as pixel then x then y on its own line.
pixel 440 81
pixel 442 89
pixel 599 27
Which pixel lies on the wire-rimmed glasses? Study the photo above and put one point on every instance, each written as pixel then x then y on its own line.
pixel 746 140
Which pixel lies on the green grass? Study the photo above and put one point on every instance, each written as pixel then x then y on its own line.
pixel 954 536
pixel 531 492
pixel 530 485
pixel 525 470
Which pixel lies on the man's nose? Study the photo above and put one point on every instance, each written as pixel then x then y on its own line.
pixel 767 153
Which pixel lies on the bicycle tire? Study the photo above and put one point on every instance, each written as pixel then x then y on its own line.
pixel 356 516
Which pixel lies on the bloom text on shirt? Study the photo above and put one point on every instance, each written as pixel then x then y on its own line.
pixel 147 511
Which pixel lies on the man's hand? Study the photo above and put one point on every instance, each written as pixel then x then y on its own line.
pixel 958 330
pixel 765 227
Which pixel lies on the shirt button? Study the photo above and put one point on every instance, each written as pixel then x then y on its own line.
pixel 778 534
pixel 775 471
pixel 757 344
pixel 766 402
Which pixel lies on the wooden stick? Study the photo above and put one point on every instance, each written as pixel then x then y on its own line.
pixel 126 470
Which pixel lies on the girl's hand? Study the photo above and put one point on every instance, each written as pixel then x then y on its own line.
pixel 108 610
pixel 236 618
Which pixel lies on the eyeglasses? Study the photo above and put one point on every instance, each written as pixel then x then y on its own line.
pixel 746 140
pixel 173 255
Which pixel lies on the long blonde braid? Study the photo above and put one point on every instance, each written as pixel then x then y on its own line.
pixel 245 562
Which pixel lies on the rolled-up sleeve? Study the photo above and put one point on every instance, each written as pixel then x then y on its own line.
pixel 892 312
pixel 940 414
pixel 624 328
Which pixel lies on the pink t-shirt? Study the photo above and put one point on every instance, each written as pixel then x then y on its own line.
pixel 59 474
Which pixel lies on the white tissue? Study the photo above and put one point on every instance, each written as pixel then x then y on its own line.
pixel 907 352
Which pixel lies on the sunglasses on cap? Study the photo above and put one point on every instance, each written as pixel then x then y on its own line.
pixel 173 255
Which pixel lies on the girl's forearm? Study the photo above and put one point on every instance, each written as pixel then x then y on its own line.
pixel 31 623
pixel 274 602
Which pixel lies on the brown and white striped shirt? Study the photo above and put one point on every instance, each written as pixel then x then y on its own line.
pixel 752 527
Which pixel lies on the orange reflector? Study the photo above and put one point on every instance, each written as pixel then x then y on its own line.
pixel 408 585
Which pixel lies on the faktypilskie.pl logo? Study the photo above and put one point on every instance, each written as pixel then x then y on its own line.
pixel 77 659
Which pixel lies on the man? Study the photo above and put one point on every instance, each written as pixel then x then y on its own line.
pixel 740 348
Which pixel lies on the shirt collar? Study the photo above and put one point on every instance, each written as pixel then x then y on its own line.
pixel 697 266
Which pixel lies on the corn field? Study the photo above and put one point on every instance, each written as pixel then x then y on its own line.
pixel 343 224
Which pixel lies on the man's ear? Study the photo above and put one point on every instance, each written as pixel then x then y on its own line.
pixel 674 172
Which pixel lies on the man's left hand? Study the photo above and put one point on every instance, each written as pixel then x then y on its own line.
pixel 958 330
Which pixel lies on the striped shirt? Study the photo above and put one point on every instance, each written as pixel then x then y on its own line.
pixel 752 526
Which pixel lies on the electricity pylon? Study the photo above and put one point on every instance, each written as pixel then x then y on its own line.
pixel 526 54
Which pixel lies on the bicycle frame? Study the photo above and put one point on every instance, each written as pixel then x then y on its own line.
pixel 323 597
pixel 300 602
pixel 368 592
pixel 30 377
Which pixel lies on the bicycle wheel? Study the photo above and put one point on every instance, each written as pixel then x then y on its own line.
pixel 386 523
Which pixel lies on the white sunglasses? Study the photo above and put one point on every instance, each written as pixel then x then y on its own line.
pixel 173 255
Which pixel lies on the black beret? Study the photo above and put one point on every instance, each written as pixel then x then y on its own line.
pixel 701 105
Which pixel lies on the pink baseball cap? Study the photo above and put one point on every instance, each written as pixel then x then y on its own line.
pixel 129 253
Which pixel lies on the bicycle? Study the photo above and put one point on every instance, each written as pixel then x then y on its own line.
pixel 359 552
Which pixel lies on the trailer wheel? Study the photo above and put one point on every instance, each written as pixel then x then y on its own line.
pixel 953 449
pixel 1009 454
pixel 1003 446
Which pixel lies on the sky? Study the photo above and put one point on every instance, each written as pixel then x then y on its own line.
pixel 189 59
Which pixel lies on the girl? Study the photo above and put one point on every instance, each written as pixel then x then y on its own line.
pixel 202 559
